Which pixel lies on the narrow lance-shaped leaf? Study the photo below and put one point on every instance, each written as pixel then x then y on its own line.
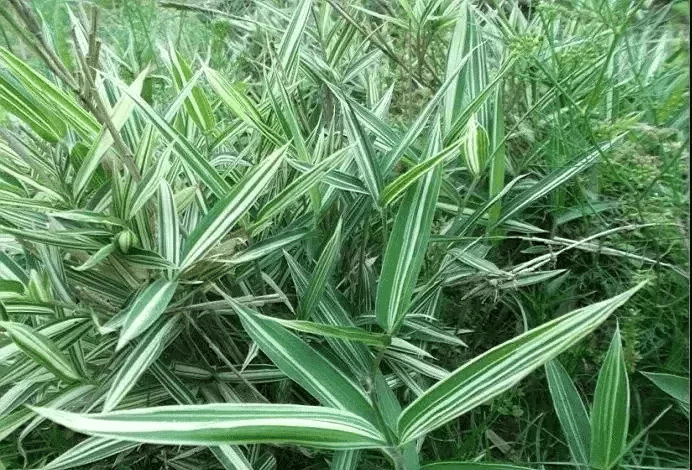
pixel 146 309
pixel 610 413
pixel 364 154
pixel 120 114
pixel 296 188
pixel 289 48
pixel 22 105
pixel 41 349
pixel 190 156
pixel 230 208
pixel 412 175
pixel 222 423
pixel 407 244
pixel 61 103
pixel 88 451
pixel 495 371
pixel 138 360
pixel 674 385
pixel 197 105
pixel 321 274
pixel 305 365
pixel 570 411
pixel 350 333
pixel 169 229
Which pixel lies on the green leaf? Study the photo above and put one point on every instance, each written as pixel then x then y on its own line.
pixel 289 49
pixel 189 155
pixel 197 105
pixel 305 365
pixel 138 361
pixel 342 332
pixel 610 413
pixel 119 116
pixel 42 350
pixel 364 154
pixel 88 451
pixel 230 208
pixel 674 385
pixel 500 368
pixel 169 228
pixel 25 107
pixel 96 258
pixel 54 98
pixel 146 309
pixel 402 182
pixel 269 245
pixel 407 244
pixel 221 423
pixel 321 274
pixel 551 181
pixel 570 411
pixel 296 189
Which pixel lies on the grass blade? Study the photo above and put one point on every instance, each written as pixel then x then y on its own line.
pixel 146 309
pixel 320 274
pixel 407 244
pixel 610 413
pixel 221 423
pixel 230 208
pixel 570 411
pixel 41 349
pixel 138 361
pixel 503 366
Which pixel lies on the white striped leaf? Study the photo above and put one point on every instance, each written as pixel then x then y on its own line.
pixel 221 423
pixel 570 411
pixel 269 246
pixel 335 178
pixel 289 49
pixel 42 350
pixel 88 451
pixel 58 101
pixel 190 156
pixel 495 371
pixel 24 106
pixel 345 460
pixel 610 412
pixel 407 244
pixel 296 189
pixel 230 456
pixel 138 361
pixel 120 114
pixel 412 175
pixel 333 312
pixel 320 274
pixel 169 228
pixel 350 333
pixel 304 365
pixel 196 104
pixel 364 153
pixel 214 226
pixel 146 309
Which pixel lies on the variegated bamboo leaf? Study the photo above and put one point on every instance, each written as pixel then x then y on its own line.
pixel 610 412
pixel 146 309
pixel 493 372
pixel 222 423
